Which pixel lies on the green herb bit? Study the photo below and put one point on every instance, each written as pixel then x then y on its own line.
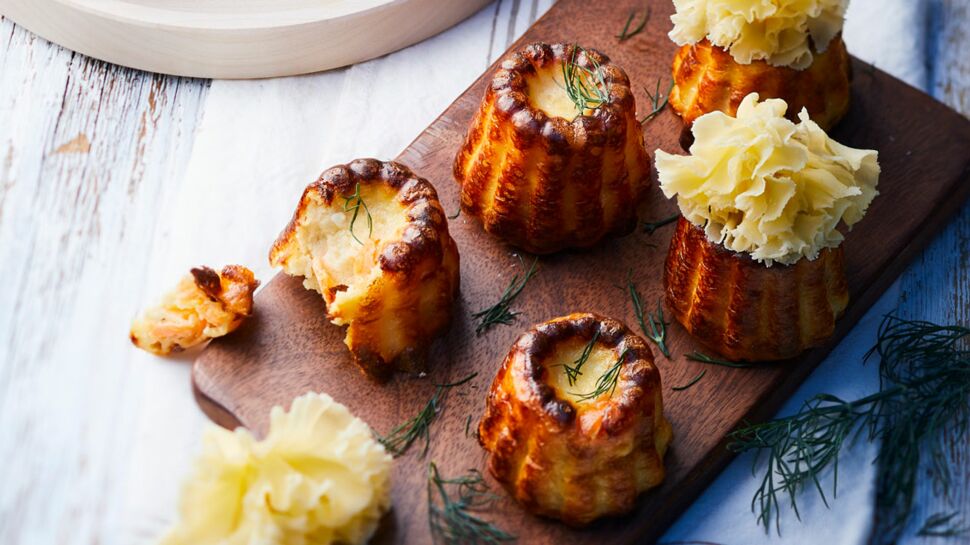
pixel 656 103
pixel 451 518
pixel 657 331
pixel 354 203
pixel 704 358
pixel 944 525
pixel 403 436
pixel 468 423
pixel 626 34
pixel 692 382
pixel 924 388
pixel 499 313
pixel 607 381
pixel 572 373
pixel 650 228
pixel 456 214
pixel 585 88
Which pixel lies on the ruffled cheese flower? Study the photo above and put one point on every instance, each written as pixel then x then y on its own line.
pixel 319 477
pixel 759 183
pixel 776 31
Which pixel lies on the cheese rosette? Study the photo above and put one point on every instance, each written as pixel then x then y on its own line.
pixel 319 477
pixel 761 184
pixel 781 32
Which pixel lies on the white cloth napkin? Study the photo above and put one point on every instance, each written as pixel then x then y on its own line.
pixel 260 142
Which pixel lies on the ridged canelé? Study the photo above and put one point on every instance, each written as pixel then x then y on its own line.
pixel 373 239
pixel 544 177
pixel 744 310
pixel 565 457
pixel 708 79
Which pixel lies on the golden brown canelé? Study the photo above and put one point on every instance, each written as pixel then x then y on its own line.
pixel 563 456
pixel 745 310
pixel 390 273
pixel 539 173
pixel 204 305
pixel 707 79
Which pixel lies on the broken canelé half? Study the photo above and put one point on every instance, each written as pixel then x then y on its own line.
pixel 574 420
pixel 554 158
pixel 204 305
pixel 372 238
pixel 727 53
pixel 755 269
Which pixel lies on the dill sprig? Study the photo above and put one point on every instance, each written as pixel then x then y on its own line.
pixel 650 228
pixel 626 34
pixel 943 525
pixel 573 372
pixel 418 427
pixel 586 88
pixel 692 382
pixel 704 358
pixel 607 381
pixel 657 331
pixel 499 313
pixel 924 375
pixel 657 105
pixel 354 203
pixel 451 519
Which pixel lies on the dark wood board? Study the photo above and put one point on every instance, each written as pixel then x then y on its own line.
pixel 289 348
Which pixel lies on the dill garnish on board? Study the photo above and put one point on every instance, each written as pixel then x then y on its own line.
pixel 657 331
pixel 585 87
pixel 924 372
pixel 353 204
pixel 704 358
pixel 627 33
pixel 400 439
pixel 656 104
pixel 650 228
pixel 692 382
pixel 450 515
pixel 607 381
pixel 500 313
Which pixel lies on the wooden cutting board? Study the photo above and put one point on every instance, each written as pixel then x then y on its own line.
pixel 236 38
pixel 290 348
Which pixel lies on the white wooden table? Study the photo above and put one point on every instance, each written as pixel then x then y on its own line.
pixel 113 182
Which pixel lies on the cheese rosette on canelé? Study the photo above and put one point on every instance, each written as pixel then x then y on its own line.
pixel 788 49
pixel 755 268
pixel 318 478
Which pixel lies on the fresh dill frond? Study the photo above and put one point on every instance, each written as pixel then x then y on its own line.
pixel 626 34
pixel 585 87
pixel 468 423
pixel 573 372
pixel 650 228
pixel 657 331
pixel 500 313
pixel 451 517
pixel 924 390
pixel 456 214
pixel 607 381
pixel 704 358
pixel 692 382
pixel 943 525
pixel 657 105
pixel 400 439
pixel 353 204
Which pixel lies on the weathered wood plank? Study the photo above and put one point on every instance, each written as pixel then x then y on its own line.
pixel 88 154
pixel 937 286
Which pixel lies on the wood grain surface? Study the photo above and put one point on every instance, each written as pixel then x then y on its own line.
pixel 290 348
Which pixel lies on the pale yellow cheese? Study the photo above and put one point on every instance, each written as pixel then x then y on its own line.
pixel 777 31
pixel 319 477
pixel 759 183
